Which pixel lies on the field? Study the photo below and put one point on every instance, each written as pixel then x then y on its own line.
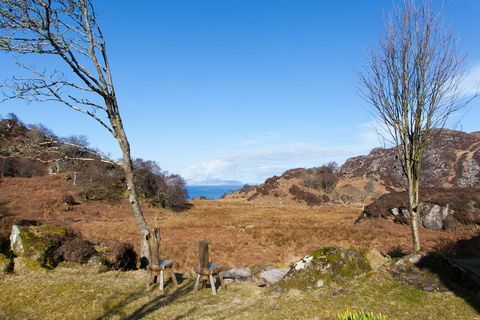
pixel 239 234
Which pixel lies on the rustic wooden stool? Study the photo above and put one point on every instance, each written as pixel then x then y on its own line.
pixel 207 271
pixel 158 267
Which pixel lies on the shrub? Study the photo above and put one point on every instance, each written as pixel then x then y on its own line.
pixel 163 189
pixel 300 195
pixel 13 167
pixel 321 178
pixel 362 315
pixel 109 190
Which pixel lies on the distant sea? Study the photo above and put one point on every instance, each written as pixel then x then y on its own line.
pixel 210 192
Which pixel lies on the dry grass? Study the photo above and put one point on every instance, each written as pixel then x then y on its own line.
pixel 240 234
pixel 80 294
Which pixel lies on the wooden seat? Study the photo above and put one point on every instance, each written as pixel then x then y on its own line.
pixel 207 271
pixel 157 267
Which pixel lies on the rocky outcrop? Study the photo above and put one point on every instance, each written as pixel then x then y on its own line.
pixel 433 215
pixel 440 208
pixel 323 266
pixel 43 246
pixel 310 187
pixel 452 159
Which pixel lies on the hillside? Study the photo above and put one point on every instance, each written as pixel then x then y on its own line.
pixel 452 160
pixel 35 151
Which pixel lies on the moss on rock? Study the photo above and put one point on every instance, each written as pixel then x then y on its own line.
pixel 5 264
pixel 328 264
pixel 27 266
pixel 37 242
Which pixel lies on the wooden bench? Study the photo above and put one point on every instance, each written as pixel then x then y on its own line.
pixel 157 267
pixel 207 271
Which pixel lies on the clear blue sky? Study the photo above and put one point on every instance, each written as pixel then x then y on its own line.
pixel 242 89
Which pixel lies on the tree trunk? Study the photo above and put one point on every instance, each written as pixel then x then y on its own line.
pixel 412 208
pixel 132 191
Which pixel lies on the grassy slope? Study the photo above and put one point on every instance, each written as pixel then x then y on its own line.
pixel 81 294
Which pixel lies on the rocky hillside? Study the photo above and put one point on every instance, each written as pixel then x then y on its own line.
pixel 311 187
pixel 34 150
pixel 452 160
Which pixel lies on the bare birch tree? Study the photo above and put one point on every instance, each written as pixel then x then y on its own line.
pixel 67 30
pixel 412 83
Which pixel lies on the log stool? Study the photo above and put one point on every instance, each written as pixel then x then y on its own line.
pixel 158 267
pixel 207 271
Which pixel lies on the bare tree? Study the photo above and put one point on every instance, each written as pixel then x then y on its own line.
pixel 412 83
pixel 67 30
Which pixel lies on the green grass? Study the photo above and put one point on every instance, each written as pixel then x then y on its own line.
pixel 78 293
pixel 361 315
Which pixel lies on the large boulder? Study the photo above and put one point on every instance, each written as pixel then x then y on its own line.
pixel 433 215
pixel 37 242
pixel 321 267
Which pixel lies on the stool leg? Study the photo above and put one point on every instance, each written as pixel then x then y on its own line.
pixel 174 278
pixel 150 279
pixel 222 283
pixel 197 283
pixel 161 280
pixel 212 284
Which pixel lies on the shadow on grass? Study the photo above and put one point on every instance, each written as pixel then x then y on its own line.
pixel 457 268
pixel 155 303
pixel 396 252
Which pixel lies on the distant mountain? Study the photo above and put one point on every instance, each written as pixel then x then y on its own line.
pixel 215 182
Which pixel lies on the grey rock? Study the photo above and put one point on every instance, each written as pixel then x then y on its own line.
pixel 273 275
pixel 413 259
pixel 394 211
pixel 237 273
pixel 319 283
pixel 433 215
pixel 400 212
pixel 405 213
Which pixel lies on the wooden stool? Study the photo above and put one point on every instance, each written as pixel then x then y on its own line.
pixel 158 267
pixel 207 271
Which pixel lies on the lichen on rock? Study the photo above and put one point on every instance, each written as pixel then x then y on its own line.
pixel 323 266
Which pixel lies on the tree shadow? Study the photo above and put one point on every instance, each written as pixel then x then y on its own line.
pixel 459 271
pixel 153 304
pixel 396 252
